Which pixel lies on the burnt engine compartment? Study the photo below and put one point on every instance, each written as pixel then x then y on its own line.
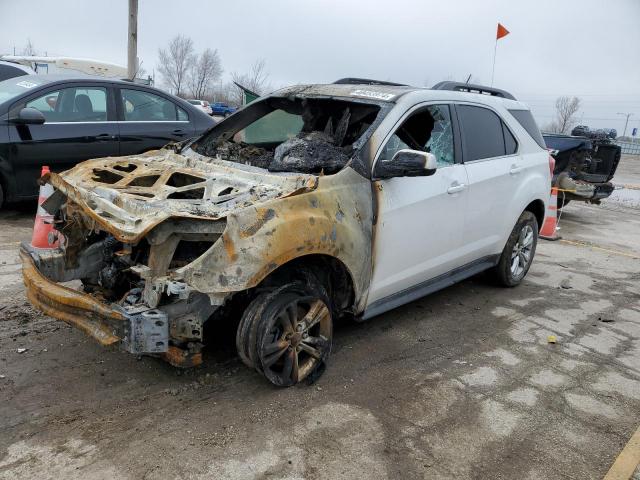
pixel 321 142
pixel 124 273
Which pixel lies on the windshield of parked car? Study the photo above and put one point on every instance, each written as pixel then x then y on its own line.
pixel 13 87
pixel 306 135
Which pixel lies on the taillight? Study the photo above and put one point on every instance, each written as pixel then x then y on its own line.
pixel 552 165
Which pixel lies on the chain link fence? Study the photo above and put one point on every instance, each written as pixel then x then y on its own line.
pixel 629 148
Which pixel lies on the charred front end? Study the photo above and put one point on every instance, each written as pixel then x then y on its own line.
pixel 153 245
pixel 131 229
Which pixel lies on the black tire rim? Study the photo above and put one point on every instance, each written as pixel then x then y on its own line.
pixel 297 338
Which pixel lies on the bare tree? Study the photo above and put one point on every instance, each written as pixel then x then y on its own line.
pixel 204 72
pixel 255 80
pixel 226 93
pixel 175 63
pixel 29 49
pixel 566 112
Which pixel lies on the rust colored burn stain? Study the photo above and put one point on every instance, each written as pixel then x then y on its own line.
pixel 77 309
pixel 182 358
pixel 229 247
pixel 264 215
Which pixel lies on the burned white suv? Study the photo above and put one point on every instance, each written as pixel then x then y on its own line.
pixel 312 203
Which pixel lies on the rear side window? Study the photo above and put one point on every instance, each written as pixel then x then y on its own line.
pixel 510 144
pixel 525 119
pixel 141 106
pixel 182 115
pixel 482 131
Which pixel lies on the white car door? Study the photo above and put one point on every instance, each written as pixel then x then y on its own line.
pixel 419 225
pixel 494 169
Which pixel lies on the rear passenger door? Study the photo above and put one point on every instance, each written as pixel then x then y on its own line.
pixel 149 121
pixel 494 170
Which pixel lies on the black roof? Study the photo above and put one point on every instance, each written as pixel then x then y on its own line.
pixel 366 81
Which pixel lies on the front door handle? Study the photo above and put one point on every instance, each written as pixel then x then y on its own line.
pixel 104 136
pixel 456 187
pixel 514 170
pixel 179 132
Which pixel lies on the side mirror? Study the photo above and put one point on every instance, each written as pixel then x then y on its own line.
pixel 407 163
pixel 28 116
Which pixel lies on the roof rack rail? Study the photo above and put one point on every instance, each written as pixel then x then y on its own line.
pixel 471 88
pixel 366 81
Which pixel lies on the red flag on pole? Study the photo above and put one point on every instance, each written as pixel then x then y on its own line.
pixel 502 32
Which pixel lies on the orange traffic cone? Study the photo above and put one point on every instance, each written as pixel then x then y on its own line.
pixel 550 226
pixel 44 235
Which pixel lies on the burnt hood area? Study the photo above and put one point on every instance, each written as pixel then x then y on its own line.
pixel 293 134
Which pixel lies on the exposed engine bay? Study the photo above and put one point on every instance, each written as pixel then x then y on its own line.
pixel 305 135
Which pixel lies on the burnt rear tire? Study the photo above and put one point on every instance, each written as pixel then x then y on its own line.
pixel 285 333
pixel 518 253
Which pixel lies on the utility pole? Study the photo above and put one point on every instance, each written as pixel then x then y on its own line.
pixel 626 122
pixel 132 47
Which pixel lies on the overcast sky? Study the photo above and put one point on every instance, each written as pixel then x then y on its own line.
pixel 587 48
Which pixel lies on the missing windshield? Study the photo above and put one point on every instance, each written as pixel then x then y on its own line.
pixel 305 135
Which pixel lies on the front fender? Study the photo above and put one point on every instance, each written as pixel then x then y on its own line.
pixel 335 219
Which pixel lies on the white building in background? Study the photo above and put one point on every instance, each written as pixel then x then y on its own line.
pixel 54 65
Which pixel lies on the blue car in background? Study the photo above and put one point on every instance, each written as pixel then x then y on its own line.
pixel 222 109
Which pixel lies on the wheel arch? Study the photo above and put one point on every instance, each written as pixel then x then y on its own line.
pixel 538 209
pixel 334 275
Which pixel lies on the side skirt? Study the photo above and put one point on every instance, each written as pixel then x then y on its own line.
pixel 429 286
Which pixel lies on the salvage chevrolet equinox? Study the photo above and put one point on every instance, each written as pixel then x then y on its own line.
pixel 312 203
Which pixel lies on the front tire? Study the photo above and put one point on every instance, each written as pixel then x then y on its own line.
pixel 285 333
pixel 518 253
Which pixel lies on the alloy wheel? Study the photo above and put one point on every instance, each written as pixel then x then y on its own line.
pixel 296 339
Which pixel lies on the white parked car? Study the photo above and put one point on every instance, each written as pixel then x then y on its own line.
pixel 315 202
pixel 202 105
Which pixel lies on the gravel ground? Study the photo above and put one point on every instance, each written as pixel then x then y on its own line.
pixel 460 384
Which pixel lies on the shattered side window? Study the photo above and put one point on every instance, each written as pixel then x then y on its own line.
pixel 305 135
pixel 441 141
pixel 428 130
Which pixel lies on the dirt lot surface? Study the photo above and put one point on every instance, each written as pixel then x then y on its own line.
pixel 460 384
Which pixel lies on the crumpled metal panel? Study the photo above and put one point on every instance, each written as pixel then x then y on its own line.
pixel 335 219
pixel 78 309
pixel 118 194
pixel 271 218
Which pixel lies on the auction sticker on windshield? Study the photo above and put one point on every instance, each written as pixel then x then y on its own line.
pixel 372 94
